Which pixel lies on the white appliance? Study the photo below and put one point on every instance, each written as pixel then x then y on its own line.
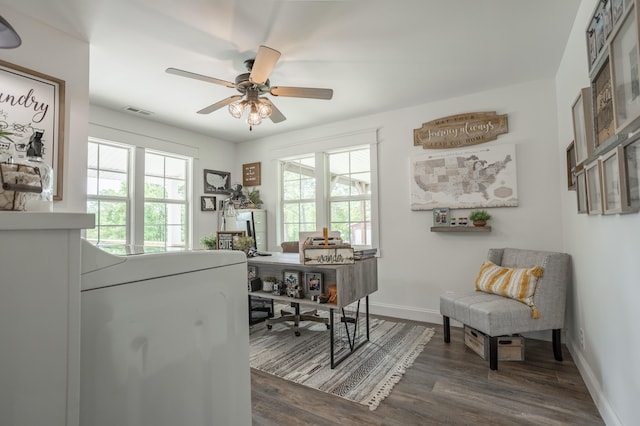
pixel 164 339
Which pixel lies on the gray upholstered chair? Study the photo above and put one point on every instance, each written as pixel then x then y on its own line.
pixel 496 316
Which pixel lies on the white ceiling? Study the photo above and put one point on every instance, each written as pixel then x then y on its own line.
pixel 377 55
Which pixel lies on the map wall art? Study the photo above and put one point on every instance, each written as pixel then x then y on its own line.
pixel 466 178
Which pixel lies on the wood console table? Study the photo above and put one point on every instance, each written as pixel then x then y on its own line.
pixel 353 283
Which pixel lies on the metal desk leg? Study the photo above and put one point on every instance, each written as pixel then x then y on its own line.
pixel 352 339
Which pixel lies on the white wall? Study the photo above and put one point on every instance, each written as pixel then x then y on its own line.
pixel 605 291
pixel 417 265
pixel 208 153
pixel 59 55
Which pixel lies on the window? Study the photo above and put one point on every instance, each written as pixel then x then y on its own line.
pixel 346 204
pixel 108 192
pixel 350 195
pixel 298 197
pixel 165 200
pixel 158 217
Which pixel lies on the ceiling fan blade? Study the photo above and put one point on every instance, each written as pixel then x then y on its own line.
pixel 263 65
pixel 302 92
pixel 188 74
pixel 276 116
pixel 219 104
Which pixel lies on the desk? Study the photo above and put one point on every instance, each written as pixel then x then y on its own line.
pixel 353 283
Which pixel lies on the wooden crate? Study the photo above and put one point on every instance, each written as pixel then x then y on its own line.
pixel 510 348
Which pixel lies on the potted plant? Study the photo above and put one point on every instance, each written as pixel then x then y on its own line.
pixel 479 217
pixel 268 283
pixel 254 198
pixel 209 241
pixel 243 243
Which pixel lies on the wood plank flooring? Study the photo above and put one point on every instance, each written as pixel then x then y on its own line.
pixel 447 385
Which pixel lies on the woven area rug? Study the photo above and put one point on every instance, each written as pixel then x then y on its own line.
pixel 366 377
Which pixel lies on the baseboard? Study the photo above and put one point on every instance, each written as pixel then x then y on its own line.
pixel 593 385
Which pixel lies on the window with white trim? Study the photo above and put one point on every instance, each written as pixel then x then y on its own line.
pixel 331 189
pixel 158 217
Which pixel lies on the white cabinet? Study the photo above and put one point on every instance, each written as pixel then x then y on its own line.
pixel 40 317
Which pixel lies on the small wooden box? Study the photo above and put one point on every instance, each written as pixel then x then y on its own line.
pixel 510 348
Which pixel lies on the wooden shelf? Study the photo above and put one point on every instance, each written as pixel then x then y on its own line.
pixel 461 229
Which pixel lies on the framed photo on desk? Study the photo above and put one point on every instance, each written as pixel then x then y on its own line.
pixel 313 282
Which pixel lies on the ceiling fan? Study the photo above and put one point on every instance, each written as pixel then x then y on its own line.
pixel 252 85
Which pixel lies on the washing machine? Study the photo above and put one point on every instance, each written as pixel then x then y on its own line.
pixel 164 338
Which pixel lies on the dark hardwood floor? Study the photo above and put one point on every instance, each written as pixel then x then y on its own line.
pixel 447 385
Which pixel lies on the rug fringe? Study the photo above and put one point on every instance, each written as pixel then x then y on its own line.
pixel 397 375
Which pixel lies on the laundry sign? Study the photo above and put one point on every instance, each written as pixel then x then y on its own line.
pixel 461 130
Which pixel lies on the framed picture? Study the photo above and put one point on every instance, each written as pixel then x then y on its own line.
pixel 602 102
pixel 571 166
pixel 45 114
pixel 216 182
pixel 594 191
pixel 626 77
pixel 441 217
pixel 208 204
pixel 631 174
pixel 252 272
pixel 581 191
pixel 611 164
pixel 225 239
pixel 607 18
pixel 291 279
pixel 313 283
pixel 617 7
pixel 251 174
pixel 582 128
pixel 592 50
pixel 599 28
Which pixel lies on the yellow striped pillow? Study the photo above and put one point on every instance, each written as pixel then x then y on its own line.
pixel 516 283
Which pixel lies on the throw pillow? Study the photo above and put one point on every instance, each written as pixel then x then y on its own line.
pixel 515 283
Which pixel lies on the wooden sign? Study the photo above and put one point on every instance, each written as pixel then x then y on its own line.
pixel 329 256
pixel 461 130
pixel 225 239
pixel 251 174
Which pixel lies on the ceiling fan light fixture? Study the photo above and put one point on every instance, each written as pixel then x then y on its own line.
pixel 237 108
pixel 264 108
pixel 254 118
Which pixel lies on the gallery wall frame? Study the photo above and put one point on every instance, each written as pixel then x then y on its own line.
pixel 208 204
pixel 45 112
pixel 611 166
pixel 594 187
pixel 581 192
pixel 216 182
pixel 581 112
pixel 571 166
pixel 631 174
pixel 604 127
pixel 625 55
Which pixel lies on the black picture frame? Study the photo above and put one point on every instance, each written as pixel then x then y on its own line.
pixel 216 182
pixel 225 239
pixel 208 204
pixel 571 166
pixel 313 283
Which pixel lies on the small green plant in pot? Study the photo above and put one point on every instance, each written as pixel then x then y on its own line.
pixel 254 198
pixel 479 217
pixel 209 241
